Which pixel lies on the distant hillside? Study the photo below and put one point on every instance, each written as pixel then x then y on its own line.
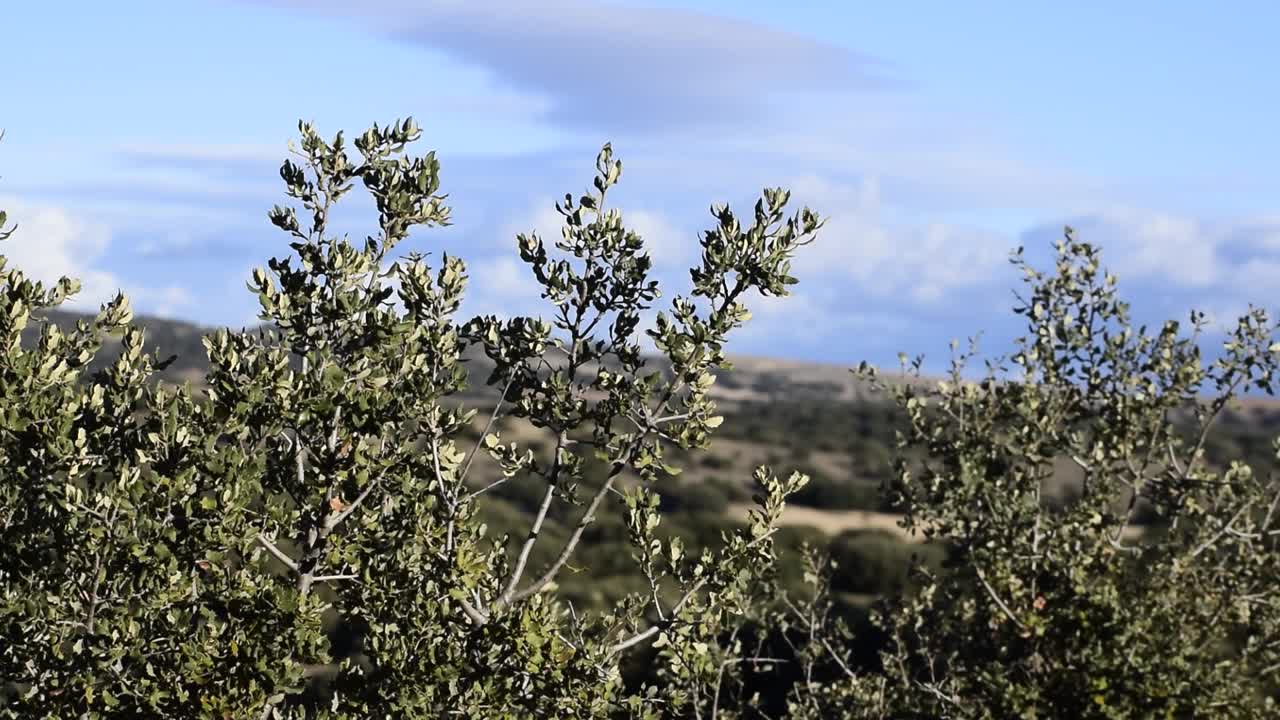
pixel 753 381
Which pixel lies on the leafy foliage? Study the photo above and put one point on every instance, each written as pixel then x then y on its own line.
pixel 307 539
pixel 1064 612
pixel 169 555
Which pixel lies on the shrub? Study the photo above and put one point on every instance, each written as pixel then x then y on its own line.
pixel 830 494
pixel 170 555
pixel 877 562
pixel 1060 612
pixel 694 497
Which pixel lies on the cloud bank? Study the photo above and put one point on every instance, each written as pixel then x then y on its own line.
pixel 51 243
pixel 623 67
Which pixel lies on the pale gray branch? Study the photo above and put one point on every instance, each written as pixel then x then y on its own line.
pixel 992 592
pixel 529 542
pixel 332 578
pixel 587 519
pixel 277 552
pixel 493 418
pixel 1225 529
pixel 477 618
pixel 334 521
pixel 675 611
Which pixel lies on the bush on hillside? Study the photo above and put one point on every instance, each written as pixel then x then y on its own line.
pixel 877 562
pixel 826 493
pixel 1050 611
pixel 304 540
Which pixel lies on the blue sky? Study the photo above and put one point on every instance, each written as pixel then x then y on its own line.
pixel 143 137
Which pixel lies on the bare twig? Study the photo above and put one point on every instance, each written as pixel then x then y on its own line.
pixel 992 592
pixel 715 699
pixel 333 578
pixel 93 595
pixel 97 566
pixel 334 520
pixel 277 552
pixel 826 644
pixel 477 618
pixel 333 434
pixel 487 488
pixel 1225 529
pixel 587 518
pixel 536 529
pixel 493 418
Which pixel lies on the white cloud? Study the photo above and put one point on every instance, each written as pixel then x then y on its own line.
pixel 165 302
pixel 669 246
pixel 1232 257
pixel 1150 244
pixel 51 243
pixel 648 68
pixel 542 219
pixel 502 285
pixel 923 263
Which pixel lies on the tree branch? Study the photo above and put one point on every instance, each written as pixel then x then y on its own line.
pixel 278 553
pixel 675 611
pixel 529 542
pixel 1225 529
pixel 992 592
pixel 587 519
pixel 493 418
pixel 487 488
pixel 477 618
pixel 334 520
pixel 331 578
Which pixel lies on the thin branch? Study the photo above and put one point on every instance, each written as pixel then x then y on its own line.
pixel 1082 463
pixel 826 644
pixel 477 618
pixel 1225 529
pixel 1271 511
pixel 93 596
pixel 473 495
pixel 299 459
pixel 1173 458
pixel 992 592
pixel 277 552
pixel 569 547
pixel 1218 405
pixel 657 604
pixel 675 611
pixel 333 434
pixel 715 699
pixel 529 542
pixel 493 418
pixel 332 578
pixel 334 521
pixel 97 566
pixel 636 639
